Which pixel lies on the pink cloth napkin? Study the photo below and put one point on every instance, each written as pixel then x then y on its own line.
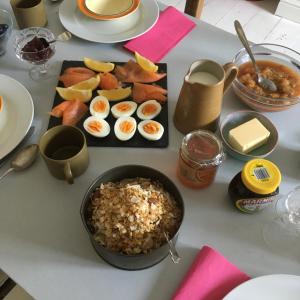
pixel 210 277
pixel 171 27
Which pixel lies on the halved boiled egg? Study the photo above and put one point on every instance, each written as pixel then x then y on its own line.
pixel 96 126
pixel 151 130
pixel 123 109
pixel 99 107
pixel 125 128
pixel 1 103
pixel 148 110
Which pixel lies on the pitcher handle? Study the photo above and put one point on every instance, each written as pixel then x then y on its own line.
pixel 231 71
pixel 68 173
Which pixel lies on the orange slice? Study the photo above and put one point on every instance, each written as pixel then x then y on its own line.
pixel 89 84
pixel 115 94
pixel 73 94
pixel 97 65
pixel 145 63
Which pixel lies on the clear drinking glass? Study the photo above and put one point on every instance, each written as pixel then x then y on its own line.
pixel 36 45
pixel 283 232
pixel 6 25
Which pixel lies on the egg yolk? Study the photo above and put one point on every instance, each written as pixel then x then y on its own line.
pixel 123 107
pixel 149 109
pixel 99 106
pixel 151 128
pixel 126 127
pixel 95 126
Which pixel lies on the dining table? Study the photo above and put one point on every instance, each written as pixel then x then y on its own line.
pixel 44 246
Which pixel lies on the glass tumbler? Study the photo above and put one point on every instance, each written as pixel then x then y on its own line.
pixel 6 25
pixel 283 232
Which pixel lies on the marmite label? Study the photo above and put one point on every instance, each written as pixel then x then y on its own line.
pixel 254 204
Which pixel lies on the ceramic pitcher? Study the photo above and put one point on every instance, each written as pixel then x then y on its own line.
pixel 200 100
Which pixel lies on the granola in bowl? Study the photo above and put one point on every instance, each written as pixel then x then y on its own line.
pixel 130 216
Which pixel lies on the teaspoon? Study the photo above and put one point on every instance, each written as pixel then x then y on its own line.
pixel 63 37
pixel 264 82
pixel 23 159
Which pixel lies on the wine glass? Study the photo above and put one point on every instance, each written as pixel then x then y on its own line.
pixel 6 25
pixel 283 232
pixel 36 45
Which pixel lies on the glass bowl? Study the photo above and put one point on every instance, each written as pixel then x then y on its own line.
pixel 267 52
pixel 6 25
pixel 35 45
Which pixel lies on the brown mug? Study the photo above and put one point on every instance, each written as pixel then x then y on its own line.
pixel 65 152
pixel 29 13
pixel 200 100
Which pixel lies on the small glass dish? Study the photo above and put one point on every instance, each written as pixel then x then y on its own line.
pixel 6 24
pixel 35 45
pixel 267 52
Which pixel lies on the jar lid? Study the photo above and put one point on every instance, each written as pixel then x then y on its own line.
pixel 203 148
pixel 261 176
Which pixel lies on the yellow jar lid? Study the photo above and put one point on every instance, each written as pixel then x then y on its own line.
pixel 261 176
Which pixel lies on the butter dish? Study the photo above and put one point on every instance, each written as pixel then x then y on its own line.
pixel 238 118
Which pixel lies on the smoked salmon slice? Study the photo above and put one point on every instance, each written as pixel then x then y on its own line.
pixel 79 70
pixel 133 72
pixel 75 75
pixel 74 112
pixel 71 111
pixel 108 81
pixel 143 92
pixel 59 109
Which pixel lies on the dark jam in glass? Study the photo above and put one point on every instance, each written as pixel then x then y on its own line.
pixel 199 157
pixel 37 50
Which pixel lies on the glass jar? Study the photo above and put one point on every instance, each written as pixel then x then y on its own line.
pixel 200 155
pixel 256 186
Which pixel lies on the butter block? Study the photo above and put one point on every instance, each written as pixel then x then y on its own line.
pixel 248 136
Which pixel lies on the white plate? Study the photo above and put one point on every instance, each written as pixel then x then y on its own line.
pixel 16 116
pixel 114 31
pixel 273 287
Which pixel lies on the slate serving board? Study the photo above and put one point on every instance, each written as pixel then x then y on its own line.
pixel 111 141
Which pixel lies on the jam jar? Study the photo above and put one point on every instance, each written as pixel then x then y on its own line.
pixel 256 186
pixel 200 155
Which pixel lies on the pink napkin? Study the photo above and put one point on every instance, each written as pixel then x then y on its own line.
pixel 210 277
pixel 171 27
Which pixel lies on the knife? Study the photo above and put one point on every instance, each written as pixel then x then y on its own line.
pixel 25 139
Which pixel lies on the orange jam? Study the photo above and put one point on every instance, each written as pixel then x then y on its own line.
pixel 200 154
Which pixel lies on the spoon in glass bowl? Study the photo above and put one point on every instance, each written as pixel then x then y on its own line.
pixel 264 82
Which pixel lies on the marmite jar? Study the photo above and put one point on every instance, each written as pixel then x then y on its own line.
pixel 256 186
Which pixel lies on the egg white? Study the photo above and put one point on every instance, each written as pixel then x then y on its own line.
pixel 117 113
pixel 142 116
pixel 152 137
pixel 123 136
pixel 103 114
pixel 105 127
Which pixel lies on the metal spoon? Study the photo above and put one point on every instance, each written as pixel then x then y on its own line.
pixel 23 159
pixel 63 37
pixel 172 250
pixel 264 82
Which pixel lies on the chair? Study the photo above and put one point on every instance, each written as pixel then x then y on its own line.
pixel 194 7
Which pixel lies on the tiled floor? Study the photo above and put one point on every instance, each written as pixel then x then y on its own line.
pixel 257 18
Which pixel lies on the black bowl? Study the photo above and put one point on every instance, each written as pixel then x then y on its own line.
pixel 117 259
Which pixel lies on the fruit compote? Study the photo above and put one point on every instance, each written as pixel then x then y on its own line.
pixel 37 50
